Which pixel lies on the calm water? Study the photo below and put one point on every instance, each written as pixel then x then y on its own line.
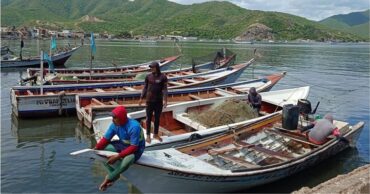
pixel 35 153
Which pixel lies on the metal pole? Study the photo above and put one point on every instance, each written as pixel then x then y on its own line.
pixel 50 54
pixel 42 72
pixel 91 58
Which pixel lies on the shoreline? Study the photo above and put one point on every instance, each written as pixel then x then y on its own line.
pixel 356 181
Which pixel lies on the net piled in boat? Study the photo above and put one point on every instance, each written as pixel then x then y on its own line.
pixel 230 111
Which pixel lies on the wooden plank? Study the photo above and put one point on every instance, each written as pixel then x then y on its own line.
pixel 95 101
pixel 295 138
pixel 113 102
pixel 176 83
pixel 255 126
pixel 221 150
pixel 191 81
pixel 194 97
pixel 99 90
pixel 265 151
pixel 238 161
pixel 222 92
pixel 129 88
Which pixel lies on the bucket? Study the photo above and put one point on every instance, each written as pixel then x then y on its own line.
pixel 290 116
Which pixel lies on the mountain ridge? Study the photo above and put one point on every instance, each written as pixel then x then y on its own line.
pixel 355 22
pixel 213 20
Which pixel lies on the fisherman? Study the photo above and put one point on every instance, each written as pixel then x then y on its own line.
pixel 322 128
pixel 155 92
pixel 254 99
pixel 129 147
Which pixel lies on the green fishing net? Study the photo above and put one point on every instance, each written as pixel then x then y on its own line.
pixel 230 111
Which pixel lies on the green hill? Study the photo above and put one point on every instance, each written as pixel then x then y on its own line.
pixel 356 23
pixel 156 17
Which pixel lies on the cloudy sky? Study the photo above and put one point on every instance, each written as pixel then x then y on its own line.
pixel 311 9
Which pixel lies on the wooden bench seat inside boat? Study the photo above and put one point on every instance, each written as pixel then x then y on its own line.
pixel 183 118
pixel 113 102
pixel 97 102
pixel 194 97
pixel 129 88
pixel 191 81
pixel 288 134
pixel 176 83
pixel 238 161
pixel 279 155
pixel 99 90
pixel 222 92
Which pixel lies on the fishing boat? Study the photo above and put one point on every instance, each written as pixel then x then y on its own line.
pixel 5 50
pixel 53 100
pixel 56 79
pixel 243 157
pixel 58 59
pixel 136 68
pixel 177 127
pixel 92 106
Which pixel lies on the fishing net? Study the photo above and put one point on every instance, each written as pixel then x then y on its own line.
pixel 215 57
pixel 230 111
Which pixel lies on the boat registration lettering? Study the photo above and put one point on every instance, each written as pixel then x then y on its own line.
pixel 55 102
pixel 196 176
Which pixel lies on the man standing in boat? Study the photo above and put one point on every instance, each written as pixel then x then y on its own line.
pixel 155 92
pixel 254 99
pixel 129 147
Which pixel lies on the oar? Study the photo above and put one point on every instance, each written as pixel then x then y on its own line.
pixel 102 153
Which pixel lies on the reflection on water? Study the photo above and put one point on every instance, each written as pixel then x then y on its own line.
pixel 35 153
pixel 84 135
pixel 42 130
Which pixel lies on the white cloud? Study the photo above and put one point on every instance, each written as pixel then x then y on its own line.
pixel 310 9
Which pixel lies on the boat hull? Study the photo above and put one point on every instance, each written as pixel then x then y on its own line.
pixel 58 61
pixel 167 180
pixel 23 104
pixel 94 112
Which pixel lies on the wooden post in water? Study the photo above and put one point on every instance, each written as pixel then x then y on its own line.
pixel 42 72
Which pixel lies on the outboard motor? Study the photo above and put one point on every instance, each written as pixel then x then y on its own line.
pixel 305 108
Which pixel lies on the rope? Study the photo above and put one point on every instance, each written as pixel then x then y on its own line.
pixel 319 85
pixel 328 99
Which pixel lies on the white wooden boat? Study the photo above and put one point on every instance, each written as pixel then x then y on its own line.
pixel 243 157
pixel 108 77
pixel 136 68
pixel 176 126
pixel 28 101
pixel 92 106
pixel 58 60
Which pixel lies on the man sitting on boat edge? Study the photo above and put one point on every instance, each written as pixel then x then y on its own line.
pixel 130 146
pixel 321 129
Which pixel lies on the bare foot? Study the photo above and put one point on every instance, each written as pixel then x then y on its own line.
pixel 156 136
pixel 148 139
pixel 106 183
